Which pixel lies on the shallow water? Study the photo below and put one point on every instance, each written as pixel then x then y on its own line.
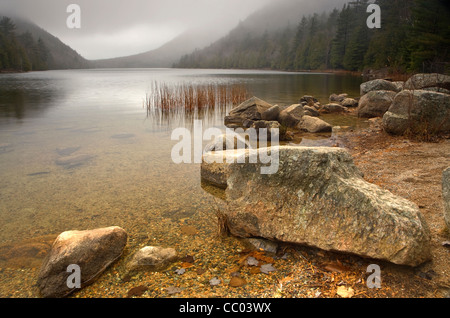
pixel 77 151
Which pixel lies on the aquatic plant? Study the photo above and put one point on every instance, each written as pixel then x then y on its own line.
pixel 190 98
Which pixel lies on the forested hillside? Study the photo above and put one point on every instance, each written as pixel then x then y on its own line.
pixel 414 36
pixel 26 47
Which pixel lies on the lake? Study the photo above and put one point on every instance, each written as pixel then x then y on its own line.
pixel 121 172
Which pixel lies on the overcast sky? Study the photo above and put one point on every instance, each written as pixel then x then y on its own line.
pixel 111 28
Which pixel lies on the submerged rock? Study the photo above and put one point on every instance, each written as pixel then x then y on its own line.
pixel 74 160
pixel 319 198
pixel 93 251
pixel 375 103
pixel 67 151
pixel 314 125
pixel 446 196
pixel 151 258
pixel 418 111
pixel 333 108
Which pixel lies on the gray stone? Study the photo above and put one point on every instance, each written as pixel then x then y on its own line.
pixel 311 111
pixel 400 85
pixel 318 198
pixel 446 196
pixel 153 259
pixel 308 100
pixel 271 114
pixel 333 108
pixel 349 102
pixel 251 109
pixel 93 251
pixel 421 81
pixel 273 129
pixel 314 125
pixel 378 85
pixel 375 103
pixel 338 98
pixel 418 112
pixel 291 116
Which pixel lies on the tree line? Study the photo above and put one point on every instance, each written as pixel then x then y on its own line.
pixel 414 36
pixel 21 52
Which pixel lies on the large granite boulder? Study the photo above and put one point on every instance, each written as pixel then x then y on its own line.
pixel 446 196
pixel 318 198
pixel 378 85
pixel 227 142
pixel 431 81
pixel 418 112
pixel 93 251
pixel 375 103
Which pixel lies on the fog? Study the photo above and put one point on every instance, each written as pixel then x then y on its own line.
pixel 111 28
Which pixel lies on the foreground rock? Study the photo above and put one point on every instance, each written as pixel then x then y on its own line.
pixel 375 103
pixel 418 112
pixel 446 196
pixel 151 258
pixel 319 198
pixel 215 167
pixel 431 81
pixel 227 142
pixel 93 251
pixel 378 85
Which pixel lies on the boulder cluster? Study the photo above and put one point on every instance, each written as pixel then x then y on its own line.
pixel 304 116
pixel 421 105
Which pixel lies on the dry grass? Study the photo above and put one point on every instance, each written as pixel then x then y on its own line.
pixel 193 98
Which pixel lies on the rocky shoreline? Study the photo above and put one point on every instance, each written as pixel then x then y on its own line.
pixel 324 198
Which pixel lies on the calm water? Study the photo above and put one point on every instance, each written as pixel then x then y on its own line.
pixel 125 176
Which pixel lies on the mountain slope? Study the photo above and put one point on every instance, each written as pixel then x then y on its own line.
pixel 61 55
pixel 166 55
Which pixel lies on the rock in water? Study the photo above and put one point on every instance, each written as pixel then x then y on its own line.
pixel 375 103
pixel 314 125
pixel 251 109
pixel 291 116
pixel 93 251
pixel 74 160
pixel 419 112
pixel 446 195
pixel 319 198
pixel 151 258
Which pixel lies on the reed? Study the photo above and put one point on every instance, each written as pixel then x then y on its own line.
pixel 193 98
